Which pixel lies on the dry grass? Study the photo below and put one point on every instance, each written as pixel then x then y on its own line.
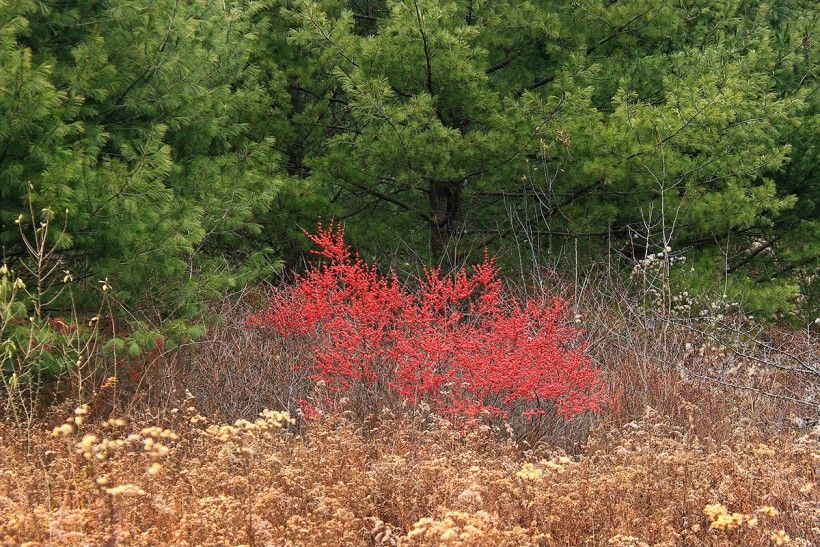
pixel 710 438
pixel 412 480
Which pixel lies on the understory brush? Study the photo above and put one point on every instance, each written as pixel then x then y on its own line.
pixel 435 410
pixel 344 337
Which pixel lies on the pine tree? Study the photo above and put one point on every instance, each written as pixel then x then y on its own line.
pixel 636 125
pixel 144 124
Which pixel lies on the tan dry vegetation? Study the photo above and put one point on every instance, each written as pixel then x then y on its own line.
pixel 406 481
pixel 709 437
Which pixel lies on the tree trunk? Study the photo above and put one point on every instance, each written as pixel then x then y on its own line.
pixel 445 221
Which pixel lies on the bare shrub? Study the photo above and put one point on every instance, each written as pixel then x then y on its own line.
pixel 234 371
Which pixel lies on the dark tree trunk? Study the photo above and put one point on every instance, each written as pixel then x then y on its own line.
pixel 445 221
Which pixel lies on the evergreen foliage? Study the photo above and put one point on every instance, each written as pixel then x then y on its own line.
pixel 632 125
pixel 186 144
pixel 143 123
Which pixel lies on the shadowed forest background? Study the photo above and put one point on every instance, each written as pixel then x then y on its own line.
pixel 185 145
pixel 490 251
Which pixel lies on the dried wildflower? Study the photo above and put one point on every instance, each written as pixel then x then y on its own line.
pixel 87 442
pixel 768 510
pixel 125 490
pixel 728 521
pixel 557 464
pixel 111 381
pixel 430 468
pixel 529 472
pixel 62 430
pixel 159 433
pixel 780 537
pixel 714 510
pixel 456 526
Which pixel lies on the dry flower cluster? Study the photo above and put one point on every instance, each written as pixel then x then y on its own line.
pixel 411 480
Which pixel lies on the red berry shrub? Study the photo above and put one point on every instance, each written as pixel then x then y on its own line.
pixel 454 343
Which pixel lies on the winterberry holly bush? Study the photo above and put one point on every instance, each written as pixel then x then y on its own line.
pixel 454 342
